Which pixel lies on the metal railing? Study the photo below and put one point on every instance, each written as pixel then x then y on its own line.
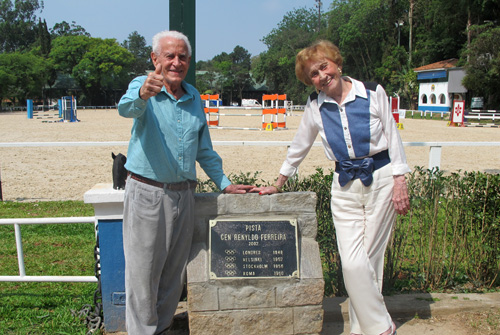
pixel 434 152
pixel 436 148
pixel 17 223
pixel 470 115
pixel 482 116
pixel 423 114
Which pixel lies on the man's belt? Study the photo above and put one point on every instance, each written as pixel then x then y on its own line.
pixel 181 186
pixel 363 168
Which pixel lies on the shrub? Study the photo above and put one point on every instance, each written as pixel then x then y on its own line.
pixel 448 240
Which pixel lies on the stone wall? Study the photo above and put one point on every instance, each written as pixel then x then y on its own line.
pixel 255 306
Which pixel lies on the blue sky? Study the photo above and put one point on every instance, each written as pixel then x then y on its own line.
pixel 220 24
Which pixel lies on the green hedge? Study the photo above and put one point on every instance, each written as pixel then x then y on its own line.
pixel 450 239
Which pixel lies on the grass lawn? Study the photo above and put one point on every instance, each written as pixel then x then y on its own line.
pixel 63 249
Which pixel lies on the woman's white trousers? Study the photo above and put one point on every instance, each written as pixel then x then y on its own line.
pixel 364 218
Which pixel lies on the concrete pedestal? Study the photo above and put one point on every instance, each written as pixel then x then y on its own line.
pixel 267 306
pixel 108 209
pixel 254 306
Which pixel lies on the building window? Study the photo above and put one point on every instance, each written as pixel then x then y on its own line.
pixel 424 98
pixel 433 99
pixel 442 99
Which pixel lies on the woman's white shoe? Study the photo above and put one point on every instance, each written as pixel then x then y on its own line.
pixel 392 330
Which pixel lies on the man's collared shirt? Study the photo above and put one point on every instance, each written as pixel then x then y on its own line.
pixel 169 136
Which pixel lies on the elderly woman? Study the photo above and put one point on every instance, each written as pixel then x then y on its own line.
pixel 360 134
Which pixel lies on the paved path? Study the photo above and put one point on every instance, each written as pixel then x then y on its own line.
pixel 414 314
pixel 417 314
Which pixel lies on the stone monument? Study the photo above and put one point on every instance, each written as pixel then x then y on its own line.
pixel 255 266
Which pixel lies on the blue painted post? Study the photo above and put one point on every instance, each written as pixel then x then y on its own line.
pixel 70 100
pixel 59 105
pixel 108 209
pixel 30 108
pixel 112 274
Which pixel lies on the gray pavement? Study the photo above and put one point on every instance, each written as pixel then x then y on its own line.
pixel 423 313
pixel 414 314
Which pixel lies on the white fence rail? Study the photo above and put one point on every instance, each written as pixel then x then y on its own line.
pixel 472 115
pixel 482 116
pixel 423 114
pixel 435 148
pixel 17 223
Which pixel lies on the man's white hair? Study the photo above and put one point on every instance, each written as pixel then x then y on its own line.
pixel 173 34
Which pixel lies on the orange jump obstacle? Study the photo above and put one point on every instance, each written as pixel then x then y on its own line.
pixel 211 110
pixel 274 105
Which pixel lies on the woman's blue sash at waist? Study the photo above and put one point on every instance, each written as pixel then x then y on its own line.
pixel 362 168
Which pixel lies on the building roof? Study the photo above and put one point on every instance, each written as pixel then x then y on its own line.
pixel 444 64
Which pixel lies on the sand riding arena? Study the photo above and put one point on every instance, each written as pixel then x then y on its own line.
pixel 32 172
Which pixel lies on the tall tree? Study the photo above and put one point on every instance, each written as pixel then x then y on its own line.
pixel 439 30
pixel 206 77
pixel 136 44
pixel 477 12
pixel 18 24
pixel 224 80
pixel 226 74
pixel 67 51
pixel 101 67
pixel 43 38
pixel 66 29
pixel 483 68
pixel 205 81
pixel 361 30
pixel 296 31
pixel 103 70
pixel 241 70
pixel 22 75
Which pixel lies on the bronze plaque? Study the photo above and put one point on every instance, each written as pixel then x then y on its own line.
pixel 253 249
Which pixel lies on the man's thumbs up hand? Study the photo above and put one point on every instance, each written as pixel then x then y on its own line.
pixel 153 84
pixel 158 69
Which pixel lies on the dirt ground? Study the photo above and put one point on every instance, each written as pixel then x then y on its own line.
pixel 465 323
pixel 486 322
pixel 34 173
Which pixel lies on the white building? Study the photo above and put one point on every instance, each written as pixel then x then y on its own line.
pixel 439 84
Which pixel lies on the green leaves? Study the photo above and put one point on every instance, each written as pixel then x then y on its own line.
pixel 483 66
pixel 17 24
pixel 451 237
pixel 226 74
pixel 297 30
pixel 24 75
pixel 137 46
pixel 96 64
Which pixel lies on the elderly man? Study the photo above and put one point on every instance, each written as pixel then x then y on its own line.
pixel 169 135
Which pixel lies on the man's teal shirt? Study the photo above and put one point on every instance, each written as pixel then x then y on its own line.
pixel 169 136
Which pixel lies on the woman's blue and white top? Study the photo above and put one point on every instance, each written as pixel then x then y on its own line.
pixel 360 127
